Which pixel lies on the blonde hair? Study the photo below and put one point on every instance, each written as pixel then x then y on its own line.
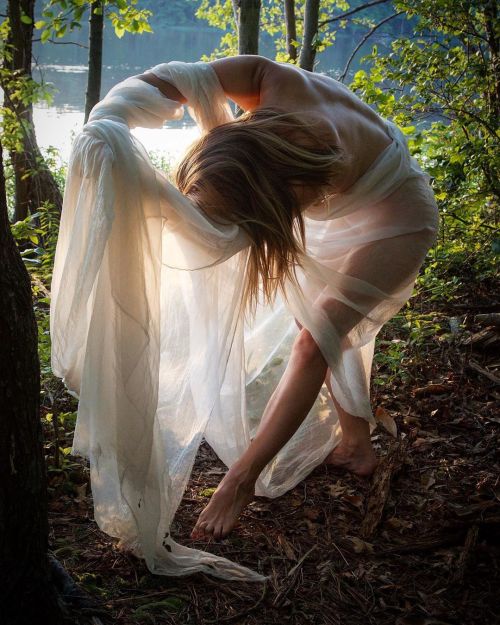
pixel 244 172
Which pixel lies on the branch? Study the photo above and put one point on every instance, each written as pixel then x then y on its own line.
pixel 352 11
pixel 364 40
pixel 65 43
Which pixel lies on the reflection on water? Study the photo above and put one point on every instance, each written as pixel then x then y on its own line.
pixel 57 128
pixel 65 68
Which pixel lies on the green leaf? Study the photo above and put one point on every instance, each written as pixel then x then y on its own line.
pixel 25 19
pixel 45 36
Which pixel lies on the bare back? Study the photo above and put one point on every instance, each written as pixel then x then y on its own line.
pixel 254 82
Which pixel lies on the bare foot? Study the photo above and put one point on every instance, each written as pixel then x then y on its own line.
pixel 224 508
pixel 358 459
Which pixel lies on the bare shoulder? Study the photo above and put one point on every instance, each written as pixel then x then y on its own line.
pixel 246 78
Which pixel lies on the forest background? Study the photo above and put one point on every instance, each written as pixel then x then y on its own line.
pixel 434 68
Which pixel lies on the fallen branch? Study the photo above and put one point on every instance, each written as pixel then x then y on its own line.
pixel 466 555
pixel 489 318
pixel 381 484
pixel 472 364
pixel 293 574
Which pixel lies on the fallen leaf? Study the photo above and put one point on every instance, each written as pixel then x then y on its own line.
pixel 399 524
pixel 337 489
pixel 286 547
pixel 385 419
pixel 428 480
pixel 360 546
pixel 312 514
pixel 432 389
pixel 81 491
pixel 355 500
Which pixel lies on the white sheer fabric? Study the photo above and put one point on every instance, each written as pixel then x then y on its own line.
pixel 147 326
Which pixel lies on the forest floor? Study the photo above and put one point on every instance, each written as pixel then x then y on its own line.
pixel 419 544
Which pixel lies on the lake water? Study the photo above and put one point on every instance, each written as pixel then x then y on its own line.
pixel 64 67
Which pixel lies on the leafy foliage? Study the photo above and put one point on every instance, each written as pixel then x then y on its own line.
pixel 22 90
pixel 443 87
pixel 62 16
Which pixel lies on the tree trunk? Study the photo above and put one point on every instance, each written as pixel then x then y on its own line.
pixel 34 183
pixel 248 28
pixel 308 50
pixel 26 592
pixel 93 94
pixel 291 29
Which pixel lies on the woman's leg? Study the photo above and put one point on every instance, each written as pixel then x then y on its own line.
pixel 289 405
pixel 355 451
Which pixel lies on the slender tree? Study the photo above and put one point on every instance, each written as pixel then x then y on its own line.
pixel 248 27
pixel 308 50
pixel 96 22
pixel 291 30
pixel 27 595
pixel 33 181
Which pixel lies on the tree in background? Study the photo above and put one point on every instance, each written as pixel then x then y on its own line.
pixel 248 26
pixel 34 183
pixel 60 17
pixel 311 24
pixel 300 28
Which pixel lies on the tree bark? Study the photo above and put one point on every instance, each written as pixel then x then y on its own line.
pixel 26 592
pixel 291 29
pixel 308 49
pixel 34 183
pixel 248 27
pixel 96 21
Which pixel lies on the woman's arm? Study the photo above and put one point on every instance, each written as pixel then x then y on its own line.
pixel 241 78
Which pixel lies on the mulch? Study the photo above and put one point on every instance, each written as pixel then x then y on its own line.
pixel 419 544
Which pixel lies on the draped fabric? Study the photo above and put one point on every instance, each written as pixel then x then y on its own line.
pixel 147 327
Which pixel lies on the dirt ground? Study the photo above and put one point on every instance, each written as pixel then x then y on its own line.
pixel 419 544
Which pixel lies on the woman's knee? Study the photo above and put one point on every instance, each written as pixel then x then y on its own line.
pixel 307 351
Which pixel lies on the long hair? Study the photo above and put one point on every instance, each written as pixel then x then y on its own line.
pixel 248 172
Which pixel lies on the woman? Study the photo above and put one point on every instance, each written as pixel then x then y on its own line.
pixel 308 149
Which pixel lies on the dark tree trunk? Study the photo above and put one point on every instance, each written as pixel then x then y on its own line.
pixel 308 49
pixel 93 94
pixel 26 592
pixel 248 28
pixel 291 29
pixel 33 181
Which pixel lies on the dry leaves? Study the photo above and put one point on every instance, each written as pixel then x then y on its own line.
pixel 386 421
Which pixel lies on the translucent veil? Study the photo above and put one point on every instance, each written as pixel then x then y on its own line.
pixel 147 326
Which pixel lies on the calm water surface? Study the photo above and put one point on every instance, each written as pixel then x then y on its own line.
pixel 64 67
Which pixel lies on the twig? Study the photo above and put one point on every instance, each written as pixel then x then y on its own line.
pixel 491 318
pixel 227 619
pixel 381 484
pixel 472 364
pixel 466 554
pixel 148 596
pixel 293 574
pixel 342 16
pixel 64 43
pixel 363 41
